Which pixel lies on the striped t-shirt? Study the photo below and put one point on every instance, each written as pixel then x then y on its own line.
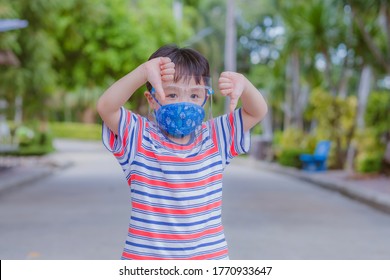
pixel 176 190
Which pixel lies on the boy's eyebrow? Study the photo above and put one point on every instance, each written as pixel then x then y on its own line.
pixel 171 87
pixel 186 86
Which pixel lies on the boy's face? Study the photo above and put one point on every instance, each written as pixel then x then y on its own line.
pixel 185 90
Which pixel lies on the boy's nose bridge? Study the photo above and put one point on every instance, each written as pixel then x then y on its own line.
pixel 185 95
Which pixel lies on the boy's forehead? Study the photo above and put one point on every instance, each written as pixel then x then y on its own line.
pixel 190 81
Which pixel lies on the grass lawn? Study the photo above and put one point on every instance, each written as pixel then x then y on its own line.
pixel 81 131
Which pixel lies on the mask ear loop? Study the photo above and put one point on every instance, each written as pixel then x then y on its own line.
pixel 210 93
pixel 152 113
pixel 153 93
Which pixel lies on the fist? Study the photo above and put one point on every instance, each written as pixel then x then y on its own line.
pixel 157 71
pixel 232 84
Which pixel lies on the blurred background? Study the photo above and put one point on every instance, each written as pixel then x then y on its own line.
pixel 323 65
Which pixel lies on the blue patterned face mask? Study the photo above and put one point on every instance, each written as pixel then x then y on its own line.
pixel 179 119
pixel 182 112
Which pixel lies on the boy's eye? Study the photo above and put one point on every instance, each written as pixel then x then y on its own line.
pixel 195 96
pixel 172 95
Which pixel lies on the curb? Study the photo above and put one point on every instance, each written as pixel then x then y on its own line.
pixel 376 200
pixel 21 176
pixel 368 197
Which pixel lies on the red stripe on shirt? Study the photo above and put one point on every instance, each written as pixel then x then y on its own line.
pixel 175 158
pixel 181 185
pixel 173 146
pixel 175 236
pixel 201 257
pixel 187 211
pixel 232 147
pixel 125 136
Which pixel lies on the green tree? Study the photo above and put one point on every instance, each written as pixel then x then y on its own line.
pixel 118 37
pixel 313 33
pixel 372 19
pixel 35 47
pixel 75 47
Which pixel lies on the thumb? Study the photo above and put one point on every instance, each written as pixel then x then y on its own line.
pixel 233 103
pixel 159 91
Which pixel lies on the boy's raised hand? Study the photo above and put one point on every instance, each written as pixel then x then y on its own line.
pixel 157 71
pixel 232 84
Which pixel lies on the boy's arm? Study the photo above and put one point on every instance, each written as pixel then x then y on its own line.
pixel 254 107
pixel 154 71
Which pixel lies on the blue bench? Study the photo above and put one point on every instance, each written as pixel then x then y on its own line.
pixel 316 161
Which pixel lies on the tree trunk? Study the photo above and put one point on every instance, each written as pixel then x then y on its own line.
pixel 292 96
pixel 18 110
pixel 343 83
pixel 296 91
pixel 363 92
pixel 266 123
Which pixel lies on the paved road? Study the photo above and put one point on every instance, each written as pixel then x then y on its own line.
pixel 82 212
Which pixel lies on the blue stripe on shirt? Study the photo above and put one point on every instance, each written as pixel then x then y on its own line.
pixel 176 198
pixel 175 249
pixel 151 168
pixel 176 224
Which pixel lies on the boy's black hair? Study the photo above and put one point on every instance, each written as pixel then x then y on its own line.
pixel 188 62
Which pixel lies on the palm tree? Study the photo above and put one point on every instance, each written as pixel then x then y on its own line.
pixel 312 30
pixel 372 19
pixel 372 35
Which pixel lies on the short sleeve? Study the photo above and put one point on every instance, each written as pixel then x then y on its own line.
pixel 231 138
pixel 123 146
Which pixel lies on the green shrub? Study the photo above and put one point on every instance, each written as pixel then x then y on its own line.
pixel 335 118
pixel 369 162
pixel 290 144
pixel 377 112
pixel 370 151
pixel 31 141
pixel 34 150
pixel 289 139
pixel 24 136
pixel 372 140
pixel 290 157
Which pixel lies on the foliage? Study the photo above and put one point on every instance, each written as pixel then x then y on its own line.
pixel 369 162
pixel 378 113
pixel 115 38
pixel 272 89
pixel 372 31
pixel 24 135
pixel 290 157
pixel 76 130
pixel 257 130
pixel 371 142
pixel 335 119
pixel 289 144
pixel 370 151
pixel 82 46
pixel 36 79
pixel 72 50
pixel 7 39
pixel 32 139
pixel 315 32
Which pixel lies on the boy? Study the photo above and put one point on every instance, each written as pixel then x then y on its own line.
pixel 174 164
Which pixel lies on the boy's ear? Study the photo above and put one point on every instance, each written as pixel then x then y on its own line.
pixel 152 102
